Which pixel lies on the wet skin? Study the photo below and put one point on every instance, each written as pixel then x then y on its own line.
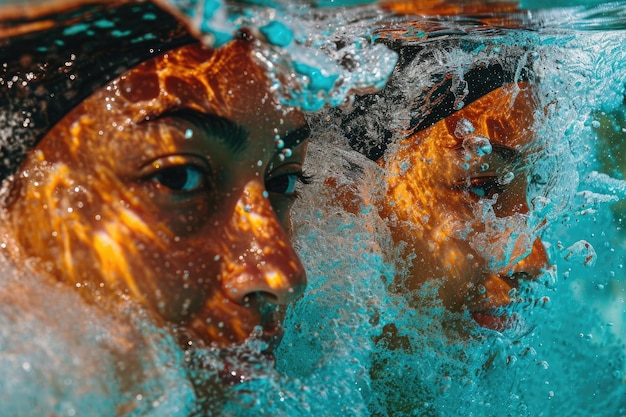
pixel 166 187
pixel 441 182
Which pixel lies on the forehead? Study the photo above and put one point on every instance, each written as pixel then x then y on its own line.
pixel 229 82
pixel 505 116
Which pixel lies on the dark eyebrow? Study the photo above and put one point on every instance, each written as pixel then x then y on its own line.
pixel 233 135
pixel 295 137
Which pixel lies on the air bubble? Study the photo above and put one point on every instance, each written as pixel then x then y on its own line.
pixel 540 203
pixel 463 128
pixel 477 145
pixel 511 360
pixel 581 252
pixel 507 178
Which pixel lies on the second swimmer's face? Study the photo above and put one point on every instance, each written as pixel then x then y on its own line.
pixel 457 202
pixel 172 186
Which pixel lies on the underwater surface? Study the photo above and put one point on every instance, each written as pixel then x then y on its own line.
pixel 566 356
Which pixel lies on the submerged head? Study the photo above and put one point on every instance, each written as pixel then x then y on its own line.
pixel 457 203
pixel 166 186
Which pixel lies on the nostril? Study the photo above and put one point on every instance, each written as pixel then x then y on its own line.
pixel 260 286
pixel 260 297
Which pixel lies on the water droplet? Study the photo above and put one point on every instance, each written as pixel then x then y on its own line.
pixel 530 351
pixel 544 302
pixel 477 145
pixel 540 203
pixel 463 128
pixel 581 251
pixel 506 178
pixel 511 360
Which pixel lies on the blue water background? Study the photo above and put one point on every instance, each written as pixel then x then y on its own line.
pixel 568 359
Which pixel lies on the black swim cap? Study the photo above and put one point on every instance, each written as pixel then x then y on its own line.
pixel 440 91
pixel 51 62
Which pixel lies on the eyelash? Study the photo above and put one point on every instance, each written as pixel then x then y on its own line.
pixel 481 187
pixel 300 176
pixel 304 179
pixel 194 178
pixel 180 174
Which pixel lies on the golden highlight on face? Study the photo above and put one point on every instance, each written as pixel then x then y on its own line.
pixel 450 8
pixel 456 199
pixel 167 187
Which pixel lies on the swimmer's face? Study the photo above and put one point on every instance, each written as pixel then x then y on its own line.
pixel 172 185
pixel 457 200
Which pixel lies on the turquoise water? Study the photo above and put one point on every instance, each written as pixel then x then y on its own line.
pixel 567 358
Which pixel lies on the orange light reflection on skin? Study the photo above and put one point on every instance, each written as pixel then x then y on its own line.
pixel 103 217
pixel 448 8
pixel 442 180
pixel 478 15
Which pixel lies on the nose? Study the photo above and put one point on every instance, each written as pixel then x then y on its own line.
pixel 535 262
pixel 261 258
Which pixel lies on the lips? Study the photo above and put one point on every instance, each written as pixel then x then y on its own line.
pixel 493 320
pixel 488 311
pixel 489 307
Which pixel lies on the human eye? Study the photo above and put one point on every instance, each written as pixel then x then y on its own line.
pixel 181 174
pixel 284 179
pixel 481 187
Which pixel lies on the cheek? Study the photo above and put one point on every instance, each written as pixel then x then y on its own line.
pixel 513 200
pixel 54 205
pixel 145 258
pixel 179 220
pixel 181 277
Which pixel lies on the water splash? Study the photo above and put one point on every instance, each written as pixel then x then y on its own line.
pixel 565 356
pixel 328 54
pixel 351 347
